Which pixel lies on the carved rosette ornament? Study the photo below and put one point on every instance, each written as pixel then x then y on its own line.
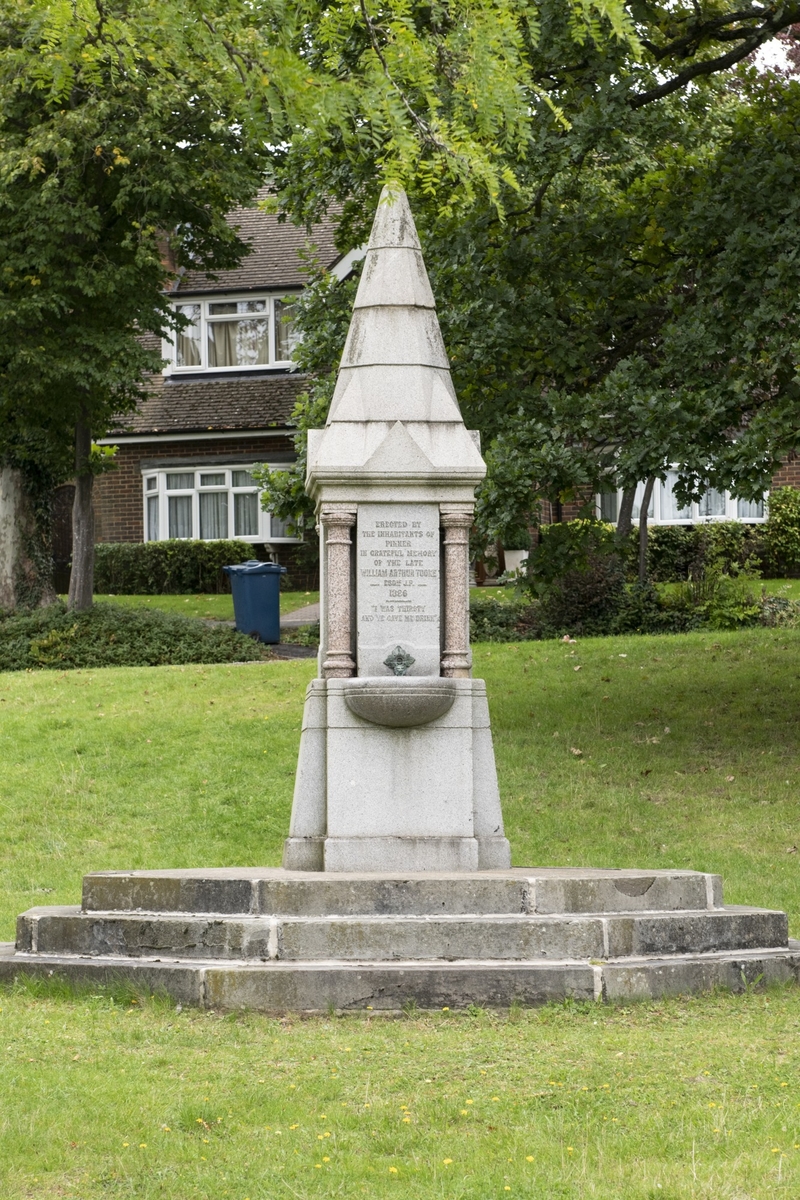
pixel 455 656
pixel 339 662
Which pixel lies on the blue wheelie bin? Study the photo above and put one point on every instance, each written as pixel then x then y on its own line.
pixel 256 598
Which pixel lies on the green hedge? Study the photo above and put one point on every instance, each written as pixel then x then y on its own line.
pixel 171 568
pixel 110 635
pixel 677 552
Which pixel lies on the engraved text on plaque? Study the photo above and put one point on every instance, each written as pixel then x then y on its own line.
pixel 397 586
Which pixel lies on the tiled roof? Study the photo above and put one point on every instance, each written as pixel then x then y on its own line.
pixel 253 401
pixel 274 261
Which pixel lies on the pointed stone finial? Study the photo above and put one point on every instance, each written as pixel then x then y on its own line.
pixel 394 412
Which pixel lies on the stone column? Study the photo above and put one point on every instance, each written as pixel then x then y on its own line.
pixel 456 523
pixel 337 523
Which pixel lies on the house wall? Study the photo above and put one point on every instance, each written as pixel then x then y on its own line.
pixel 119 513
pixel 789 473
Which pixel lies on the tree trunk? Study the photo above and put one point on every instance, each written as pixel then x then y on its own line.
pixel 81 584
pixel 26 566
pixel 625 515
pixel 648 491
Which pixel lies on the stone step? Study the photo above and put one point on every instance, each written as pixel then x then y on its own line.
pixel 273 891
pixel 280 987
pixel 387 938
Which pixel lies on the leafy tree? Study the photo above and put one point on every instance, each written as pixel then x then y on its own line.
pixel 125 137
pixel 630 300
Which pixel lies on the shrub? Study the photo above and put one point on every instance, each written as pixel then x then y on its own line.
pixel 779 611
pixel 493 620
pixel 644 609
pixel 169 568
pixel 679 552
pixel 109 635
pixel 782 533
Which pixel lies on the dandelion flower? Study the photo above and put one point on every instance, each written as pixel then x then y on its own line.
pixel 392 1170
pixel 326 1158
pixel 447 1161
pixel 528 1158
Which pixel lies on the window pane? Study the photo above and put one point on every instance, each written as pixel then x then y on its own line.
pixel 670 510
pixel 177 482
pixel 242 479
pixel 608 507
pixel 217 479
pixel 238 343
pixel 237 306
pixel 750 508
pixel 637 504
pixel 187 342
pixel 712 503
pixel 180 516
pixel 278 529
pixel 245 513
pixel 152 518
pixel 152 483
pixel 285 335
pixel 213 515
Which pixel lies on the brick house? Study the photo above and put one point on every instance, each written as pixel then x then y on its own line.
pixel 220 406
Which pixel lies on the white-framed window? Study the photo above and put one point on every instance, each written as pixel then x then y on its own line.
pixel 233 333
pixel 207 503
pixel 665 510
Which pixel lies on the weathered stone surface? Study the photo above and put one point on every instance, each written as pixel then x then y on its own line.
pixel 320 986
pixel 734 928
pixel 66 930
pixel 271 890
pixel 448 938
pixel 399 936
pixel 389 987
pixel 207 891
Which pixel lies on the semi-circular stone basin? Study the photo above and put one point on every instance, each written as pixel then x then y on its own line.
pixel 399 702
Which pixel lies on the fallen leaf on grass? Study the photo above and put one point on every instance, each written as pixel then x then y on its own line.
pixel 729 778
pixel 791 849
pixel 576 668
pixel 574 750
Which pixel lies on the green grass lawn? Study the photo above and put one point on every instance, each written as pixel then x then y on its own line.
pixel 687 758
pixel 210 608
pixel 682 1099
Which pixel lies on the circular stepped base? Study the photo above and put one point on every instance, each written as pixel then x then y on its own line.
pixel 277 941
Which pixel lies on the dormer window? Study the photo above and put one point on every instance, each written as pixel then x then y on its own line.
pixel 234 333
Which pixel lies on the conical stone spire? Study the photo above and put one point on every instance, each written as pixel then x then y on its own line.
pixel 394 412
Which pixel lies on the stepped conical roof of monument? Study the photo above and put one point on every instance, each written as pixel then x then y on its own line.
pixel 394 413
pixel 394 366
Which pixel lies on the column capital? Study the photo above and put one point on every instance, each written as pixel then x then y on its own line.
pixel 455 514
pixel 334 515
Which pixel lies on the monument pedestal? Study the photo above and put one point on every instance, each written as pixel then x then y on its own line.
pixel 396 774
pixel 284 941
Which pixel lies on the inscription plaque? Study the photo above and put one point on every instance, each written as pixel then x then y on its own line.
pixel 398 586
